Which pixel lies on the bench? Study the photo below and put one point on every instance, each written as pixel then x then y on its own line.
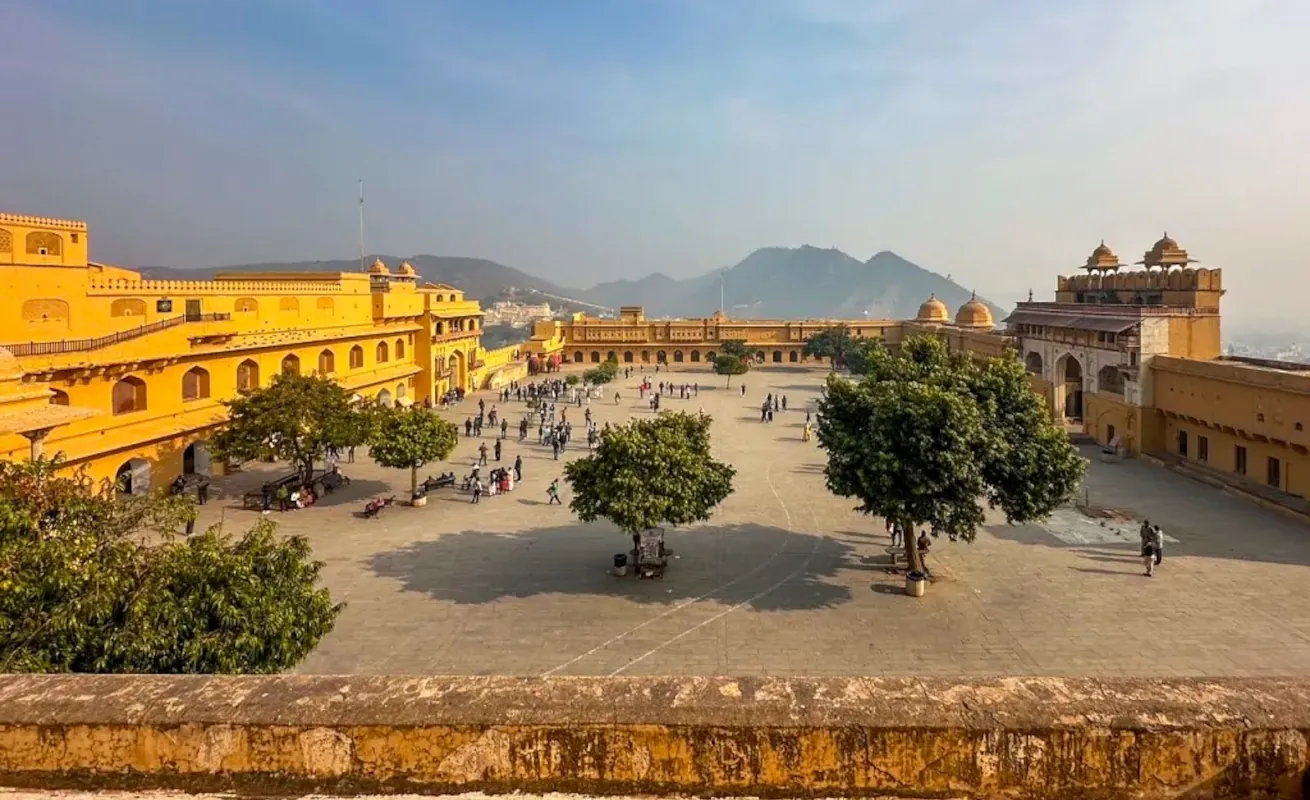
pixel 440 482
pixel 254 500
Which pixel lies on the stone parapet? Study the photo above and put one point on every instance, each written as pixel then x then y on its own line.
pixel 1040 738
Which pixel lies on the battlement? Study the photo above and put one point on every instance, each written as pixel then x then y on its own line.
pixel 116 286
pixel 1202 279
pixel 42 222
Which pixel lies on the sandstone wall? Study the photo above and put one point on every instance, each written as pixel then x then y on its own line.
pixel 1030 738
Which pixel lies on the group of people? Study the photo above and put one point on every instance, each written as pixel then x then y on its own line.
pixel 1152 546
pixel 772 404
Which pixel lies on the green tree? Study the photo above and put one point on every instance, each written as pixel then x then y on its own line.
pixel 728 364
pixel 734 347
pixel 862 355
pixel 833 344
pixel 650 472
pixel 408 438
pixel 296 419
pixel 926 437
pixel 603 374
pixel 101 583
pixel 572 380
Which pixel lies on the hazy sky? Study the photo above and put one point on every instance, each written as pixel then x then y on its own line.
pixel 996 140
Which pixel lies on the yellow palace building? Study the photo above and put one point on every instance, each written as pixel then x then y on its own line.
pixel 125 375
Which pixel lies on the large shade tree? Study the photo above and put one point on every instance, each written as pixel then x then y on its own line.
pixel 649 473
pixel 728 364
pixel 296 418
pixel 832 343
pixel 408 438
pixel 101 582
pixel 926 437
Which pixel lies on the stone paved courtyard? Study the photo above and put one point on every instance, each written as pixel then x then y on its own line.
pixel 787 580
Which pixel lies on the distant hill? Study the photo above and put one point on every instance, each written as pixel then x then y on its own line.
pixel 774 282
pixel 803 282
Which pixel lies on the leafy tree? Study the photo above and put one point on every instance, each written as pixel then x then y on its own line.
pixel 833 344
pixel 296 419
pixel 408 438
pixel 735 347
pixel 650 472
pixel 926 436
pixel 728 364
pixel 603 374
pixel 100 583
pixel 572 380
pixel 859 359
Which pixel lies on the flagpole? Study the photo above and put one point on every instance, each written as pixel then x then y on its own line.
pixel 361 224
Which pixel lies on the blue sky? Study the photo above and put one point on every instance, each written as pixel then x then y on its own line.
pixel 581 140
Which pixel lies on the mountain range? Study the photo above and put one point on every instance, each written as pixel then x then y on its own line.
pixel 771 283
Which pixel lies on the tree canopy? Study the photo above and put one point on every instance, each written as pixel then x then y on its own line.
pixel 101 583
pixel 833 343
pixel 650 472
pixel 734 347
pixel 296 419
pixel 408 438
pixel 729 364
pixel 603 374
pixel 861 354
pixel 926 436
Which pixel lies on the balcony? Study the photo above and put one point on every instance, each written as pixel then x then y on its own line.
pixel 85 345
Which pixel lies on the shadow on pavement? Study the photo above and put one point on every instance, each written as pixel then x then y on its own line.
pixel 765 568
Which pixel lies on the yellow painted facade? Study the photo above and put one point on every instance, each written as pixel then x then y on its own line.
pixel 125 376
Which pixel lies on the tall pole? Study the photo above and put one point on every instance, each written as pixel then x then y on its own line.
pixel 722 274
pixel 361 225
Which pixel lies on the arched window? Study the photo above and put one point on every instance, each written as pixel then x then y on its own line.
pixel 327 362
pixel 1111 380
pixel 247 376
pixel 58 398
pixel 777 356
pixel 129 395
pixel 793 356
pixel 441 328
pixel 383 356
pixel 400 349
pixel 677 356
pixel 627 356
pixel 577 357
pixel 1033 363
pixel 195 384
pixel 291 365
pixel 290 305
pixel 246 305
pixel 695 356
pixel 595 357
pixel 356 357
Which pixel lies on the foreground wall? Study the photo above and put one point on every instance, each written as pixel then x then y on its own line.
pixel 1045 738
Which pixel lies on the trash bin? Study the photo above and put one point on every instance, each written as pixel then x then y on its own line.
pixel 915 584
pixel 620 560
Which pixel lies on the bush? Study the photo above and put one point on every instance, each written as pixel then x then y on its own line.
pixel 92 583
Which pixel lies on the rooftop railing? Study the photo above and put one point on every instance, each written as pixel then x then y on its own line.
pixel 83 345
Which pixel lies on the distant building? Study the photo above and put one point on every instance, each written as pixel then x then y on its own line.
pixel 518 315
pixel 1131 357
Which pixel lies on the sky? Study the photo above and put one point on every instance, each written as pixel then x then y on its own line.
pixel 997 141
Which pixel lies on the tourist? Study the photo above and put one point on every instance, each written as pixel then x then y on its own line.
pixel 553 493
pixel 477 490
pixel 350 455
pixel 924 544
pixel 893 529
pixel 806 433
pixel 743 390
pixel 482 454
pixel 498 450
pixel 504 428
pixel 518 468
pixel 1147 534
pixel 784 402
pixel 616 398
pixel 1157 541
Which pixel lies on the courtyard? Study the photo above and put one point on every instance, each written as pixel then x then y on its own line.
pixel 787 579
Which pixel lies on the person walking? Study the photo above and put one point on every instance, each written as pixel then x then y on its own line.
pixel 743 390
pixel 504 428
pixel 482 454
pixel 477 490
pixel 553 493
pixel 1147 535
pixel 497 449
pixel 518 468
pixel 1157 542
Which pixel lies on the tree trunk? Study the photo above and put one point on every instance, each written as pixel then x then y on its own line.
pixel 413 482
pixel 307 470
pixel 912 548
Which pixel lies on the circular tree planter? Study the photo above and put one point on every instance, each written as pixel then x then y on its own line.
pixel 418 501
pixel 916 583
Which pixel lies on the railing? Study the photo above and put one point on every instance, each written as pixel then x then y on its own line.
pixel 82 345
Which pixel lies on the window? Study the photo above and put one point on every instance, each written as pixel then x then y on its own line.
pixel 1203 448
pixel 247 376
pixel 58 398
pixel 327 362
pixel 129 395
pixel 1239 460
pixel 1275 473
pixel 383 356
pixel 1259 417
pixel 400 348
pixel 195 384
pixel 1182 443
pixel 356 357
pixel 291 365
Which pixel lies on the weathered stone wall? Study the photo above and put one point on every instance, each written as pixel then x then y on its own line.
pixel 1029 738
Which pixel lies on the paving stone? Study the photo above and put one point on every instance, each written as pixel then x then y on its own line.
pixel 787 579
